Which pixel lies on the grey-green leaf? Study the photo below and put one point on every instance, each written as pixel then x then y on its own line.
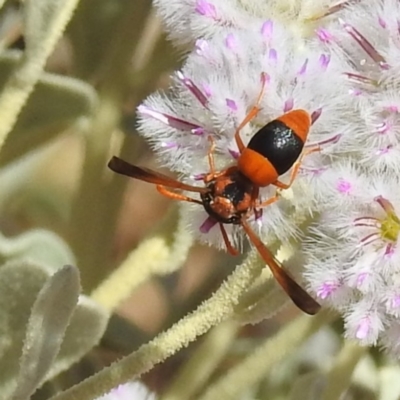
pixel 20 283
pixel 51 314
pixel 84 332
pixel 37 246
pixel 56 103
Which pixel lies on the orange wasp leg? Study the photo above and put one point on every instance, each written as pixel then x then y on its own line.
pixel 251 114
pixel 228 244
pixel 298 295
pixel 175 196
pixel 210 156
pixel 295 169
pixel 212 175
pixel 269 201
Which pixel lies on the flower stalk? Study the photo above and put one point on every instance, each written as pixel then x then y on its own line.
pixel 212 312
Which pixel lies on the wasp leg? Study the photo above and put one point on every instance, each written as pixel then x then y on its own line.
pixel 210 155
pixel 269 201
pixel 251 114
pixel 228 244
pixel 176 196
pixel 295 169
pixel 213 174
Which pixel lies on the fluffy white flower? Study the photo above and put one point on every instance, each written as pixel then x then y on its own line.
pixel 347 79
pixel 218 85
pixel 367 34
pixel 129 391
pixel 189 20
pixel 355 258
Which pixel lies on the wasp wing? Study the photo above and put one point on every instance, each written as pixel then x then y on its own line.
pixel 122 167
pixel 298 295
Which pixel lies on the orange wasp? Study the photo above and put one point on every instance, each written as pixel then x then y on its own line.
pixel 231 196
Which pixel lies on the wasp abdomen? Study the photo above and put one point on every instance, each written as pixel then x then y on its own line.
pixel 278 144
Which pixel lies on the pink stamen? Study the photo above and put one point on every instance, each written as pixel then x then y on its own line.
pixel 231 104
pixel 267 30
pixel 207 225
pixel 365 225
pixel 371 238
pixel 335 8
pixel 363 329
pixel 355 92
pixel 324 61
pixel 364 44
pixel 303 68
pixel 258 216
pixel 234 153
pixel 273 55
pixel 169 120
pixel 360 79
pixel 385 204
pixel 324 35
pixel 230 42
pixel 382 22
pixel 315 115
pixel 383 128
pixel 327 289
pixel 169 145
pixel 361 278
pixel 332 140
pixel 207 90
pixel 207 9
pixel 372 219
pixel 288 105
pixel 202 47
pixel 395 302
pixel 198 177
pixel 193 88
pixel 344 186
pixel 392 109
pixel 314 171
pixel 383 151
pixel 389 251
pixel 197 131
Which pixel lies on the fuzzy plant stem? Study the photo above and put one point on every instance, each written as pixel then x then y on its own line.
pixel 212 312
pixel 257 365
pixel 163 252
pixel 203 362
pixel 45 21
pixel 339 377
pixel 91 244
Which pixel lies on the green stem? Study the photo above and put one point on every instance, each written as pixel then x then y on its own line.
pixel 339 377
pixel 210 313
pixel 92 244
pixel 30 67
pixel 163 252
pixel 202 363
pixel 257 365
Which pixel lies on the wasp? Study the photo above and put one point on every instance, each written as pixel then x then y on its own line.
pixel 231 196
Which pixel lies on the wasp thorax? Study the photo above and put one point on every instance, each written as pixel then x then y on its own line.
pixel 229 198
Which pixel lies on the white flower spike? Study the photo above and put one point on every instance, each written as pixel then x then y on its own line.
pixel 129 391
